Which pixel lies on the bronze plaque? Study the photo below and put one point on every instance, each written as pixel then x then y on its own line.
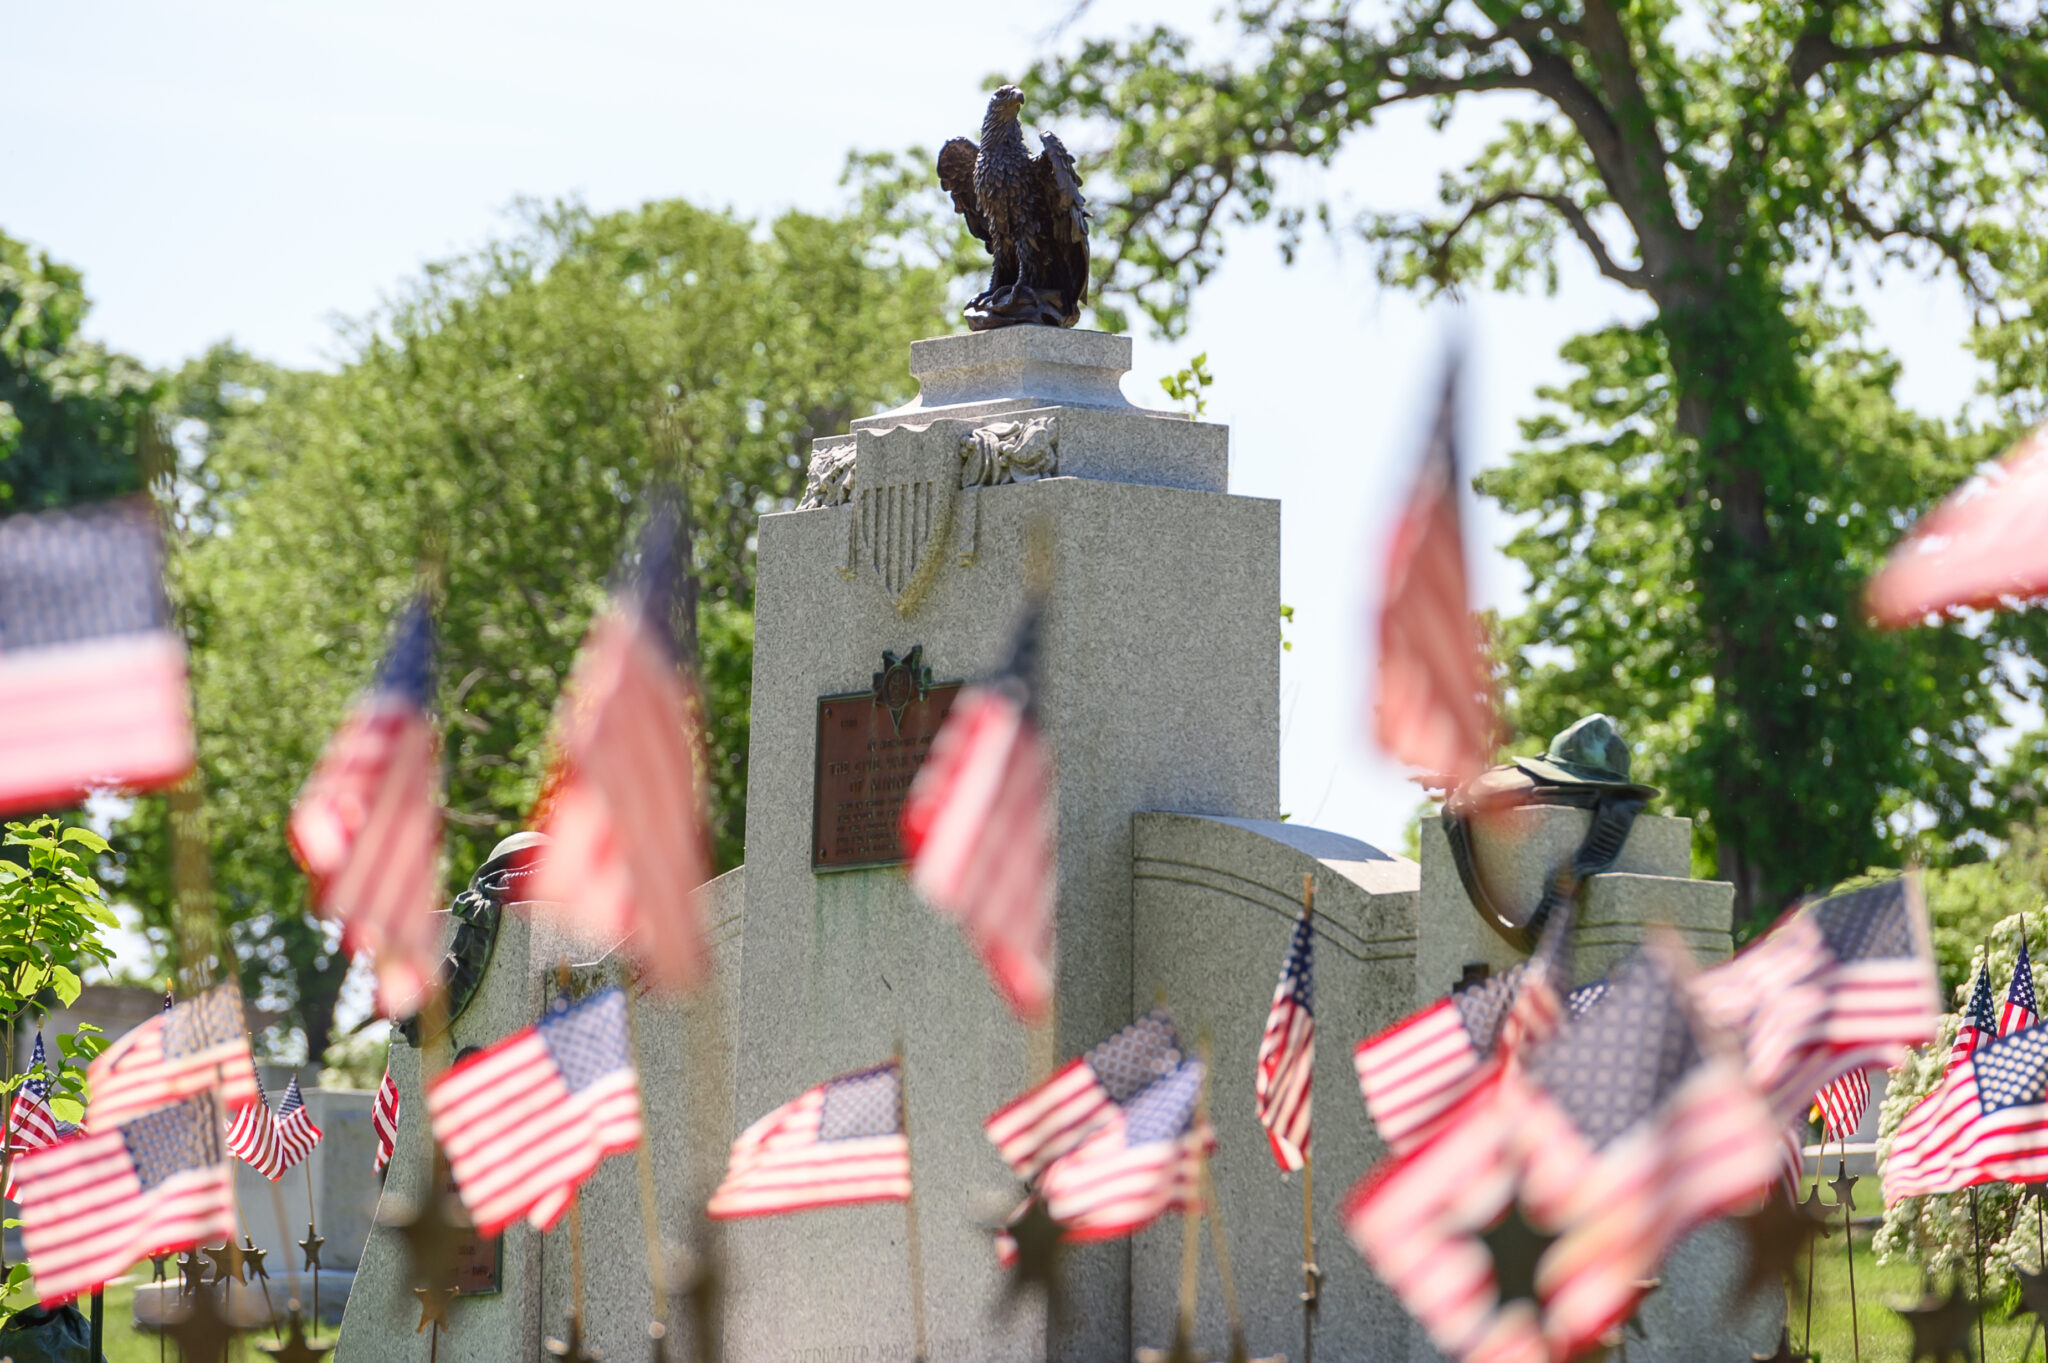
pixel 870 744
pixel 477 1263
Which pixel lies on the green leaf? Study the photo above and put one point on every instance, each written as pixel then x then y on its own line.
pixel 87 839
pixel 66 1109
pixel 66 983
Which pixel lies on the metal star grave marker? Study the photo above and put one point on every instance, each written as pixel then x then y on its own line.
pixel 1517 1247
pixel 252 1261
pixel 202 1333
pixel 1776 1235
pixel 311 1246
pixel 296 1348
pixel 224 1258
pixel 191 1273
pixel 433 1307
pixel 1041 1249
pixel 1941 1326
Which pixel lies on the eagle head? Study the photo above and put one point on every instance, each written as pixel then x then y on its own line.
pixel 1004 104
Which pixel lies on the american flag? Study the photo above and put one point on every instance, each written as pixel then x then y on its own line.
pixel 1144 1162
pixel 1618 1135
pixel 296 1134
pixel 2022 1010
pixel 367 827
pixel 1986 1122
pixel 1435 695
pixel 526 1121
pixel 30 1123
pixel 1839 984
pixel 978 826
pixel 252 1136
pixel 838 1143
pixel 94 1204
pixel 92 676
pixel 1842 1102
pixel 1983 546
pixel 629 843
pixel 1976 1026
pixel 198 1045
pixel 1415 1072
pixel 384 1121
pixel 1287 1052
pixel 1033 1130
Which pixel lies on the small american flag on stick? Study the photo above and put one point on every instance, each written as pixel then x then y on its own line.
pixel 1611 1139
pixel 1415 1073
pixel 1036 1128
pixel 252 1136
pixel 629 843
pixel 1987 1122
pixel 1976 1026
pixel 296 1134
pixel 525 1122
pixel 2022 1010
pixel 1435 706
pixel 1840 984
pixel 1144 1162
pixel 367 827
pixel 30 1123
pixel 839 1143
pixel 92 676
pixel 384 1121
pixel 94 1204
pixel 1842 1103
pixel 1287 1052
pixel 978 825
pixel 197 1045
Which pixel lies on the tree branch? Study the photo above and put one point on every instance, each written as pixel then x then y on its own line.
pixel 1575 218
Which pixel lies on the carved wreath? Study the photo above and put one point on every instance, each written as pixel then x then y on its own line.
pixel 1000 452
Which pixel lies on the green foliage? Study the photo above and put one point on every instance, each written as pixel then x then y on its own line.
pixel 52 911
pixel 503 416
pixel 1190 386
pixel 1611 522
pixel 69 408
pixel 1704 156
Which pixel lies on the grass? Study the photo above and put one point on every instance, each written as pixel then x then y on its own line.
pixel 1879 1331
pixel 126 1344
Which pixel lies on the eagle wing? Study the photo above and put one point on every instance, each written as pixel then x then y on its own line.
pixel 1066 216
pixel 956 177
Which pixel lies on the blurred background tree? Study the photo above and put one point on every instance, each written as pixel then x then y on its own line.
pixel 1712 518
pixel 70 409
pixel 503 415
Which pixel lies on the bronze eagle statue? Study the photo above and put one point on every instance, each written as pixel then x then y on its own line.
pixel 1028 211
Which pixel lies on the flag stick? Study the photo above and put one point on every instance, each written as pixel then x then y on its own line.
pixel 236 1270
pixel 1819 1167
pixel 650 1213
pixel 1224 1275
pixel 311 1230
pixel 1849 1248
pixel 1311 1274
pixel 916 1252
pixel 576 1316
pixel 1190 1282
pixel 97 1324
pixel 1977 1253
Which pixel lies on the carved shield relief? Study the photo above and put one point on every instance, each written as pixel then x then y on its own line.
pixel 905 485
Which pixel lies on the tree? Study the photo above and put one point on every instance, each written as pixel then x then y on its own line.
pixel 1712 158
pixel 70 409
pixel 51 914
pixel 501 419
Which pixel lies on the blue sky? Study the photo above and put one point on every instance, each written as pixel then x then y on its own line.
pixel 257 171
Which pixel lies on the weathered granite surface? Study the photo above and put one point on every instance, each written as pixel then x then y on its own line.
pixel 1215 902
pixel 1161 691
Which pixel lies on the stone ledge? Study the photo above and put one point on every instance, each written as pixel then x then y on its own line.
pixel 983 372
